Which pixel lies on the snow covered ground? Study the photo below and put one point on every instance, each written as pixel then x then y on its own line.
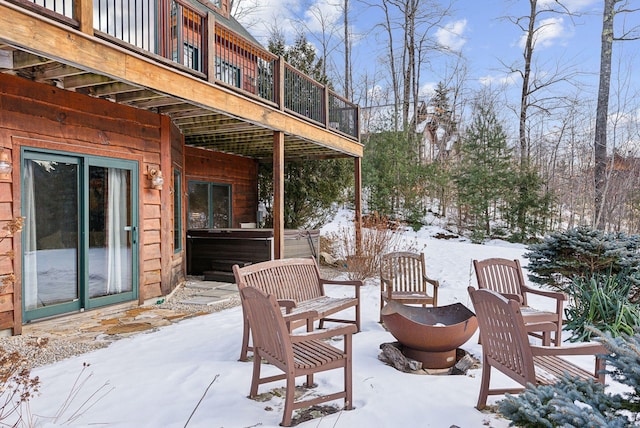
pixel 188 374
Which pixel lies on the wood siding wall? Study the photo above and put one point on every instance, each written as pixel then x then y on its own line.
pixel 241 173
pixel 41 116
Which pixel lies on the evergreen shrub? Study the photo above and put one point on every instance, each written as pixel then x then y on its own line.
pixel 583 252
pixel 584 404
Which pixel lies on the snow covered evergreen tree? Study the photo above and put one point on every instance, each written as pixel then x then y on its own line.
pixel 575 403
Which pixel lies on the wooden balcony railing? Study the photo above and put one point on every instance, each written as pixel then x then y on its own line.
pixel 179 32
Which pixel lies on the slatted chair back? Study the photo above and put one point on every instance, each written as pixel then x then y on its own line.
pixel 404 272
pixel 505 277
pixel 503 335
pixel 269 330
pixel 287 279
pixel 403 278
pixel 502 276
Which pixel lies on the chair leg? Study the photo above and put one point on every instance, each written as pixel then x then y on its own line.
pixel 484 385
pixel 309 383
pixel 288 400
pixel 245 340
pixel 255 380
pixel 348 375
pixel 558 338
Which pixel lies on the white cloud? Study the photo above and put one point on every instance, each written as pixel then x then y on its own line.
pixel 549 32
pixel 570 5
pixel 261 17
pixel 502 80
pixel 451 35
pixel 428 89
pixel 323 13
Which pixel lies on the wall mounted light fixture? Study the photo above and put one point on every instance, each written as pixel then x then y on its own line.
pixel 5 166
pixel 155 175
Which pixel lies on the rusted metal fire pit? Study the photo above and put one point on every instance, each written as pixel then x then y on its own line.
pixel 430 335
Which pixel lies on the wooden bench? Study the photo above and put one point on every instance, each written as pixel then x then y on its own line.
pixel 298 287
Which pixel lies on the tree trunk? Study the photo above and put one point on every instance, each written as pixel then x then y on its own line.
pixel 347 53
pixel 602 112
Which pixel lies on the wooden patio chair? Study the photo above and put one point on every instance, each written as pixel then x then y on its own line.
pixel 506 347
pixel 505 276
pixel 296 355
pixel 403 278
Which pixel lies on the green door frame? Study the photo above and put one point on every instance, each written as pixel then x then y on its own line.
pixel 84 162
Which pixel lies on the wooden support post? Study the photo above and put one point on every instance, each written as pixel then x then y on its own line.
pixel 279 82
pixel 211 47
pixel 166 215
pixel 83 13
pixel 357 172
pixel 325 106
pixel 278 195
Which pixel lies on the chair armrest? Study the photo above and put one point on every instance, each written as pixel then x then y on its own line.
pixel 433 282
pixel 386 287
pixel 578 349
pixel 540 326
pixel 304 315
pixel 354 283
pixel 288 304
pixel 552 294
pixel 325 333
pixel 515 297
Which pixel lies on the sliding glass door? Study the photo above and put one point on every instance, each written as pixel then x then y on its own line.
pixel 79 239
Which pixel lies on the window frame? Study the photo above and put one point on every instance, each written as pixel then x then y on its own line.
pixel 210 202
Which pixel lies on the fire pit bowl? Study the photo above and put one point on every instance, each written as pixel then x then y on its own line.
pixel 430 335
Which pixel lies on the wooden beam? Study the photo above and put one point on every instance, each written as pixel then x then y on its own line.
pixel 278 195
pixel 26 60
pixel 114 88
pixel 357 172
pixel 55 70
pixel 85 80
pixel 6 59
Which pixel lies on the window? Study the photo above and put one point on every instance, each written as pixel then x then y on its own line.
pixel 209 205
pixel 177 211
pixel 191 57
pixel 228 73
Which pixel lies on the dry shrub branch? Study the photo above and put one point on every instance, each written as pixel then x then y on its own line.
pixel 379 236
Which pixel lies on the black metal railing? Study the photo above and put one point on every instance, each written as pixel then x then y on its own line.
pixel 132 21
pixel 303 95
pixel 244 65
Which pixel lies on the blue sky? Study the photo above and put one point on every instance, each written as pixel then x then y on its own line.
pixel 477 29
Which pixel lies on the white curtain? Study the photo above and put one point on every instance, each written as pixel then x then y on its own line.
pixel 117 267
pixel 29 234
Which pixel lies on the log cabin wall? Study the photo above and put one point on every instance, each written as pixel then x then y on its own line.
pixel 239 172
pixel 41 116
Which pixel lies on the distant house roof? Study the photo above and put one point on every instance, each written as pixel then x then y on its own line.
pixel 230 22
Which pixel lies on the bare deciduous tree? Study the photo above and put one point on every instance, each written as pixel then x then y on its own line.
pixel 600 143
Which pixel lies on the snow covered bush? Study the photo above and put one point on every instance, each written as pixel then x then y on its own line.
pixel 575 403
pixel 583 252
